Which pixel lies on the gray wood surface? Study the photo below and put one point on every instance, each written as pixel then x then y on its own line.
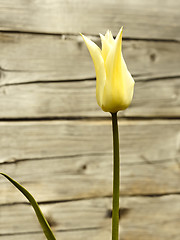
pixel 90 219
pixel 158 98
pixel 57 142
pixel 28 58
pixel 78 155
pixel 142 19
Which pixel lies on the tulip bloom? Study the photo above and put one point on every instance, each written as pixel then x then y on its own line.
pixel 114 83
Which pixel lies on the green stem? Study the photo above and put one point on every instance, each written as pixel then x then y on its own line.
pixel 115 210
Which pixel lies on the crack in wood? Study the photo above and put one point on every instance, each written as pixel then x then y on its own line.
pixel 76 36
pixel 123 211
pixel 58 230
pixel 146 161
pixel 45 82
pixel 19 233
pixel 138 78
pixel 149 79
pixel 16 160
pixel 84 118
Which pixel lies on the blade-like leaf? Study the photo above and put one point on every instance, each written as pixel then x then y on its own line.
pixel 44 224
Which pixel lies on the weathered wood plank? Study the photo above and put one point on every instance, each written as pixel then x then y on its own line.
pixel 66 99
pixel 140 18
pixel 88 214
pixel 160 98
pixel 28 58
pixel 90 218
pixel 89 176
pixel 151 218
pixel 20 140
pixel 87 217
pixel 149 156
pixel 80 234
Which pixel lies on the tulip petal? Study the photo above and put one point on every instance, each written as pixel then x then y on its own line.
pixel 106 46
pixel 122 75
pixel 118 90
pixel 98 61
pixel 109 37
pixel 128 85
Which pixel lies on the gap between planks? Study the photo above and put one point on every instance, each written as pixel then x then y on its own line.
pixel 66 36
pixel 138 78
pixel 160 195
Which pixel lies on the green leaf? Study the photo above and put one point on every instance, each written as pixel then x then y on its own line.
pixel 44 224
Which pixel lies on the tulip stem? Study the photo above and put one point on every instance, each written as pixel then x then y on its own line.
pixel 115 210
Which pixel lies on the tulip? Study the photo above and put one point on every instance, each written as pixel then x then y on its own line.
pixel 114 92
pixel 114 83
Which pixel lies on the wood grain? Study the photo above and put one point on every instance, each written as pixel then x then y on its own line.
pixel 140 18
pixel 77 155
pixel 28 58
pixel 78 99
pixel 151 218
pixel 90 218
pixel 47 76
pixel 80 234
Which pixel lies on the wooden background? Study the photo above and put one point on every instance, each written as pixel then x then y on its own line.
pixel 57 142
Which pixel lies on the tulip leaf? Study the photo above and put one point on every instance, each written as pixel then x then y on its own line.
pixel 44 224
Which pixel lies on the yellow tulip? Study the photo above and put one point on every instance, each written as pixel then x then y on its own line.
pixel 114 83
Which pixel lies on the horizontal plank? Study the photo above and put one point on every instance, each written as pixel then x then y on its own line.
pixel 88 176
pixel 71 216
pixel 84 137
pixel 90 219
pixel 94 234
pixel 78 99
pixel 77 155
pixel 151 218
pixel 140 19
pixel 53 58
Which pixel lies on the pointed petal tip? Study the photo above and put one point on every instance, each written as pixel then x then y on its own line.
pixel 107 34
pixel 84 37
pixel 87 40
pixel 119 36
pixel 101 35
pixel 121 29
